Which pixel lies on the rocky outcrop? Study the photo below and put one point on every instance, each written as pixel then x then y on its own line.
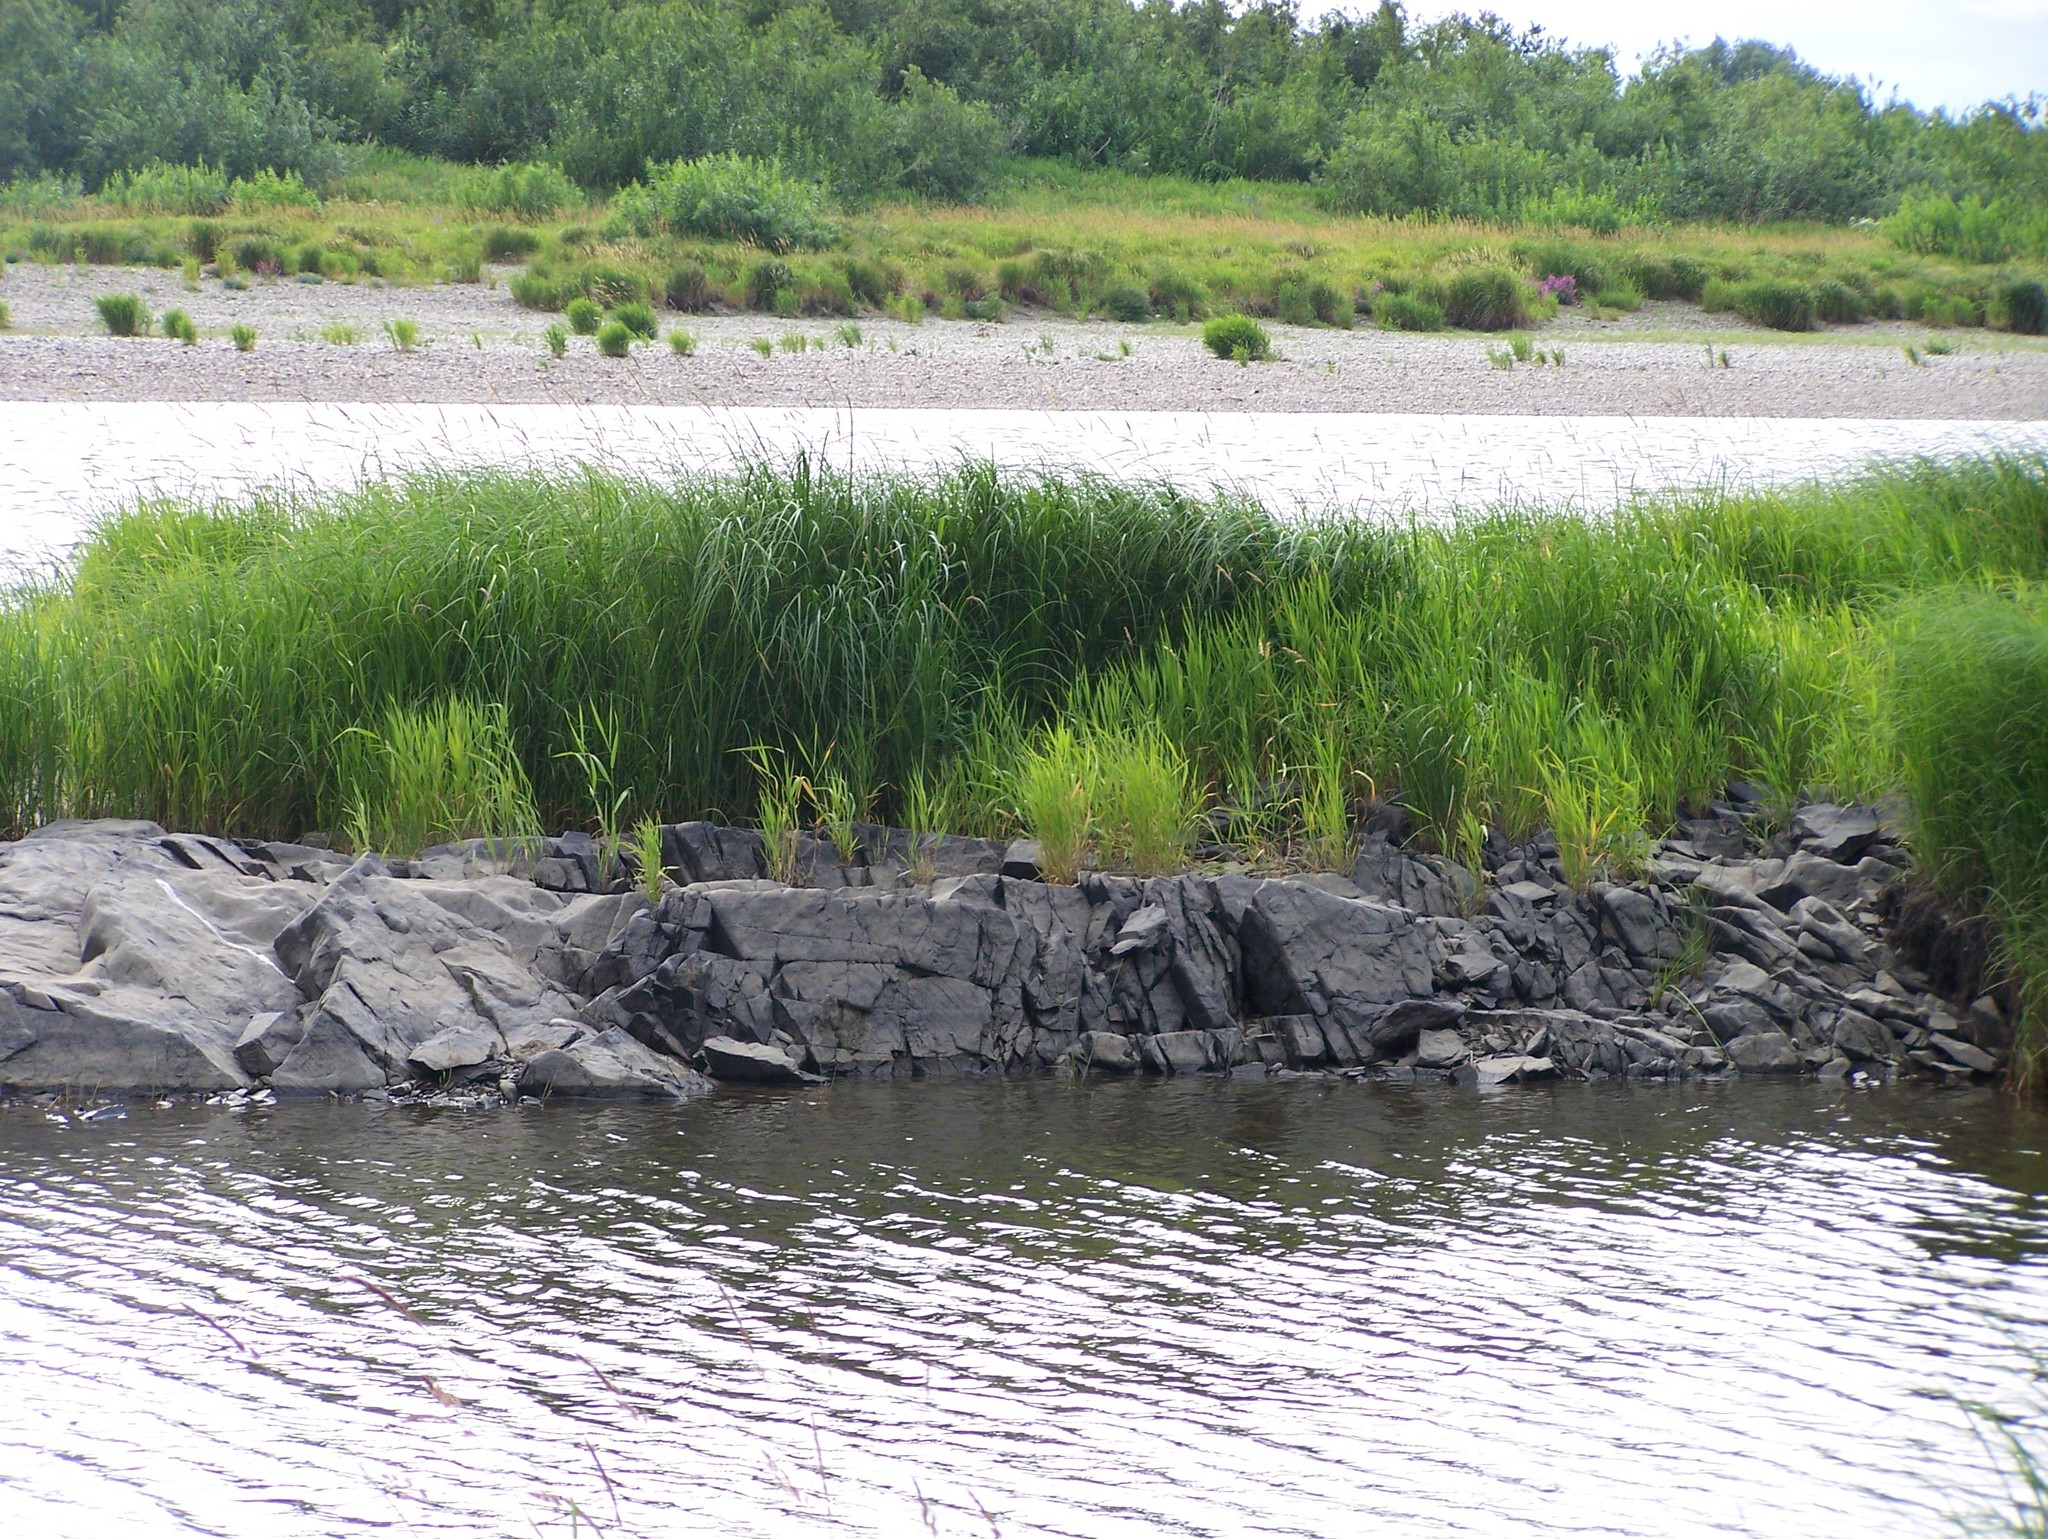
pixel 135 960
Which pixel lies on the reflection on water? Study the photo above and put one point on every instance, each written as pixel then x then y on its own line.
pixel 63 461
pixel 1026 1308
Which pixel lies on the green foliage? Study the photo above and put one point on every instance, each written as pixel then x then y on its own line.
pixel 530 191
pixel 1777 303
pixel 584 316
pixel 434 774
pixel 1238 338
pixel 404 334
pixel 1837 303
pixel 6 316
pixel 645 847
pixel 639 319
pixel 243 336
pixel 124 315
pixel 556 338
pixel 1407 312
pixel 681 343
pixel 2022 306
pixel 502 243
pixel 1968 694
pixel 687 289
pixel 157 188
pixel 1967 228
pixel 1141 800
pixel 269 191
pixel 615 339
pixel 341 334
pixel 179 328
pixel 736 198
pixel 1053 780
pixel 1483 298
pixel 1127 302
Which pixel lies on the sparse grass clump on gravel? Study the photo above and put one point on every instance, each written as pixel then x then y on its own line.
pixel 124 315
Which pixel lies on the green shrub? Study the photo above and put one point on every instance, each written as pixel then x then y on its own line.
pixel 158 188
pixel 254 254
pixel 1838 304
pixel 1237 337
pixel 503 243
pixel 767 281
pixel 609 284
pixel 435 774
pixel 6 316
pixel 1777 303
pixel 2022 306
pixel 1485 299
pixel 1330 305
pixel 179 328
pixel 268 191
pixel 1717 296
pixel 1560 259
pixel 1948 310
pixel 584 315
pixel 872 282
pixel 638 319
pixel 1290 302
pixel 556 337
pixel 615 339
pixel 732 197
pixel 534 290
pixel 1144 801
pixel 341 334
pixel 681 343
pixel 687 289
pixel 1406 312
pixel 1939 224
pixel 1176 294
pixel 1667 277
pixel 831 294
pixel 531 191
pixel 124 315
pixel 404 334
pixel 243 336
pixel 1125 302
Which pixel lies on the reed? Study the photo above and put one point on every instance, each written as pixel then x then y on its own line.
pixel 211 666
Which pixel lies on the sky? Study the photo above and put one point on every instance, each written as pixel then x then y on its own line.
pixel 1933 53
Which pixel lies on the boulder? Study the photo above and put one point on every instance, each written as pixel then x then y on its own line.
pixel 1764 1052
pixel 1839 833
pixel 752 1063
pixel 1107 1051
pixel 610 1064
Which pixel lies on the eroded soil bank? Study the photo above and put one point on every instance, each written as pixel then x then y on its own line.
pixel 133 961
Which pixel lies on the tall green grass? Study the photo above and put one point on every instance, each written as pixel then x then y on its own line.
pixel 913 643
pixel 1969 704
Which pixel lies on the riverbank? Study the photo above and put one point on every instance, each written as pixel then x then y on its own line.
pixel 138 962
pixel 476 344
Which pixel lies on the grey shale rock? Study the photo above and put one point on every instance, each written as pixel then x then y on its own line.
pixel 135 960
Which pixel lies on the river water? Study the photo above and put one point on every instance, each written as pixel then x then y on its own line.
pixel 1027 1308
pixel 63 462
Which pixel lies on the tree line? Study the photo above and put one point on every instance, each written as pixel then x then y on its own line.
pixel 1463 116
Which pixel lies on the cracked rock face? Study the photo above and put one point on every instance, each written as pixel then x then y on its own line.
pixel 132 960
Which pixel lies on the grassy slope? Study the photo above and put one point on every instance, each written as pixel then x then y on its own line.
pixel 1056 236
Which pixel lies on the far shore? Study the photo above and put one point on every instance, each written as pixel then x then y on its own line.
pixel 476 345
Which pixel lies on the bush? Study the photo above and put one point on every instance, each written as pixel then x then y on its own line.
pixel 404 334
pixel 585 316
pixel 732 197
pixel 267 191
pixel 614 339
pixel 531 191
pixel 638 319
pixel 1837 303
pixel 124 315
pixel 1406 312
pixel 243 336
pixel 1485 299
pixel 1938 224
pixel 872 283
pixel 1329 305
pixel 158 188
pixel 556 337
pixel 681 343
pixel 1560 259
pixel 1777 303
pixel 1237 337
pixel 1948 310
pixel 687 289
pixel 2022 306
pixel 504 242
pixel 179 328
pixel 1677 277
pixel 1126 302
pixel 767 281
pixel 1178 295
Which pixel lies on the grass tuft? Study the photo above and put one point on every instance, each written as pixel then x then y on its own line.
pixel 124 315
